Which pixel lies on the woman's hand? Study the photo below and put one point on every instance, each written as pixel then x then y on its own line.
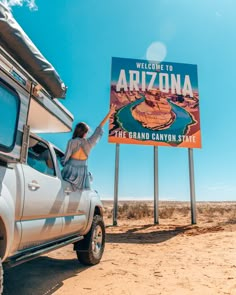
pixel 110 113
pixel 112 109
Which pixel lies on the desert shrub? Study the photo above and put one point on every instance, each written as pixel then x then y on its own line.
pixel 200 210
pixel 134 211
pixel 185 210
pixel 212 210
pixel 138 210
pixel 166 212
pixel 123 209
pixel 110 214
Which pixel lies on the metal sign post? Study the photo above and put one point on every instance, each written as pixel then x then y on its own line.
pixel 115 206
pixel 192 186
pixel 156 205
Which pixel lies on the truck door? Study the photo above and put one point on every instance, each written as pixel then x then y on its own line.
pixel 76 205
pixel 43 204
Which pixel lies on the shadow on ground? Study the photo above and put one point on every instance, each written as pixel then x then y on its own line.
pixel 42 276
pixel 153 235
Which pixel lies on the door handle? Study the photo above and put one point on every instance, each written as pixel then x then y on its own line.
pixel 68 191
pixel 33 186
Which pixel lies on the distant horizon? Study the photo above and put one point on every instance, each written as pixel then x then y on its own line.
pixel 175 201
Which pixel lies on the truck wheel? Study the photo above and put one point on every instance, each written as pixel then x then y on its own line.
pixel 1 277
pixel 89 251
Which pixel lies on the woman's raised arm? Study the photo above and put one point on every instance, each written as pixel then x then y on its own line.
pixel 111 112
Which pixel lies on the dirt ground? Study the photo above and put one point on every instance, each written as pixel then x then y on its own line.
pixel 173 257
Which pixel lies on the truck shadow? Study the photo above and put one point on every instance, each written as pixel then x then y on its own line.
pixel 41 276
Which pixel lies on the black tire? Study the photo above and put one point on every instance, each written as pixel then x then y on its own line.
pixel 89 251
pixel 1 277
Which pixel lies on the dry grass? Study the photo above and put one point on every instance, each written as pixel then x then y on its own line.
pixel 134 211
pixel 167 210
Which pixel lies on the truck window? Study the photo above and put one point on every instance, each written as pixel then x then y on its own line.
pixel 9 112
pixel 39 157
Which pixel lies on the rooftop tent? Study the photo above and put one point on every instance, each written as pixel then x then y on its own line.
pixel 15 41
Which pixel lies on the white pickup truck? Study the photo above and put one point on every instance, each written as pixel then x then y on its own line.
pixel 39 211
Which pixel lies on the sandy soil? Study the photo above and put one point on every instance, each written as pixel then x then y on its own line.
pixel 142 258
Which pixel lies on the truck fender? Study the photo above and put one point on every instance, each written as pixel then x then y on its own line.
pixel 7 218
pixel 96 208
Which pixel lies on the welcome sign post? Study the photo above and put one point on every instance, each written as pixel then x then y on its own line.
pixel 156 104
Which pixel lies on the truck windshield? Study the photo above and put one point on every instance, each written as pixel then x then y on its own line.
pixel 10 103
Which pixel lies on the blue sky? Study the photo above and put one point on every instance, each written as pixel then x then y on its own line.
pixel 80 37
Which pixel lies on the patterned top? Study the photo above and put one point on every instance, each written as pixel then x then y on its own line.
pixel 85 143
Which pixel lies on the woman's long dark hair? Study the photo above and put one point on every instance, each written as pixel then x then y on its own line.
pixel 80 130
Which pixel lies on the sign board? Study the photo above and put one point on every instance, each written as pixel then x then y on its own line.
pixel 156 103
